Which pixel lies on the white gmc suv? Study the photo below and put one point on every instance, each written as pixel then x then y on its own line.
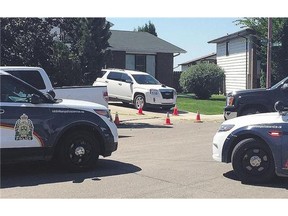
pixel 136 87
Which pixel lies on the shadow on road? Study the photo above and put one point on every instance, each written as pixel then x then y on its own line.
pixel 38 173
pixel 141 125
pixel 155 110
pixel 277 182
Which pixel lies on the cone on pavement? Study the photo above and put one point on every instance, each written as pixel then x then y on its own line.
pixel 167 121
pixel 140 111
pixel 117 121
pixel 198 119
pixel 175 111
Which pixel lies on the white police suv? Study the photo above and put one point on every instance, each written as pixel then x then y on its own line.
pixel 34 126
pixel 257 145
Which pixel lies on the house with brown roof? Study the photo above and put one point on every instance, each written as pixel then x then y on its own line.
pixel 144 52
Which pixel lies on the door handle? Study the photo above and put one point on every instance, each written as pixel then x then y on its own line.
pixel 120 84
pixel 2 111
pixel 106 81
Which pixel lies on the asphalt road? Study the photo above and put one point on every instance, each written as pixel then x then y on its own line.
pixel 153 161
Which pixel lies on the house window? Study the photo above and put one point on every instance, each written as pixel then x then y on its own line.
pixel 130 62
pixel 145 63
pixel 227 48
pixel 140 62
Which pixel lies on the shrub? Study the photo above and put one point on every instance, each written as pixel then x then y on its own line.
pixel 203 79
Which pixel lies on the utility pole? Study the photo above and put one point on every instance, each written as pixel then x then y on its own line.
pixel 269 48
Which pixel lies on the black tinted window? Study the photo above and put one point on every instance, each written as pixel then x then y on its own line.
pixel 125 78
pixel 32 77
pixel 114 76
pixel 13 90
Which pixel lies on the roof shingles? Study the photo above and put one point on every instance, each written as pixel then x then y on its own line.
pixel 140 42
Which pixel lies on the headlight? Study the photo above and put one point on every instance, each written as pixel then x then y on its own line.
pixel 225 127
pixel 105 113
pixel 154 91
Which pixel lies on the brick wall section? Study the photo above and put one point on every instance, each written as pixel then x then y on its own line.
pixel 164 68
pixel 117 60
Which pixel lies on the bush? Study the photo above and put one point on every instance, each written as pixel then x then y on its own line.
pixel 203 79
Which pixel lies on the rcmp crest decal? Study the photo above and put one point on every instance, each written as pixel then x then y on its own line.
pixel 24 128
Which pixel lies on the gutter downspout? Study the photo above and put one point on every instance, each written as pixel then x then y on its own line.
pixel 246 68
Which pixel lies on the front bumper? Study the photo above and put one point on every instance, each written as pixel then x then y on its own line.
pixel 159 101
pixel 218 143
pixel 110 147
pixel 230 112
pixel 229 115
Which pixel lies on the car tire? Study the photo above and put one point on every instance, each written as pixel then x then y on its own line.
pixel 80 151
pixel 139 101
pixel 252 161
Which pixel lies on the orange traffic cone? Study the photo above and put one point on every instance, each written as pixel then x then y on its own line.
pixel 167 121
pixel 175 111
pixel 198 120
pixel 117 121
pixel 140 111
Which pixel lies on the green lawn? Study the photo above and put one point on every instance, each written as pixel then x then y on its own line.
pixel 213 106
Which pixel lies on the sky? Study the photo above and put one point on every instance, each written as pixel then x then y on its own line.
pixel 190 34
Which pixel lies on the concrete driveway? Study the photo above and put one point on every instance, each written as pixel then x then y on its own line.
pixel 127 113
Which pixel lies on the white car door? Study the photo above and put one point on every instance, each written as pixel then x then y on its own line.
pixel 126 87
pixel 113 84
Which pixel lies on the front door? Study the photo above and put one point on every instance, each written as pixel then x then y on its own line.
pixel 24 129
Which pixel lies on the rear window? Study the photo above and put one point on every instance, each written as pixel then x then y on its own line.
pixel 34 78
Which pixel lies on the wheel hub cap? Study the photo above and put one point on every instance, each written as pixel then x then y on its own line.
pixel 255 161
pixel 79 151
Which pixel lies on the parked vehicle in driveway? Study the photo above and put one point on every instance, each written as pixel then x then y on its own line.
pixel 35 126
pixel 38 78
pixel 136 87
pixel 256 145
pixel 245 102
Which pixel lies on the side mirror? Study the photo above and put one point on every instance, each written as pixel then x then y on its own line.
pixel 52 93
pixel 129 81
pixel 35 99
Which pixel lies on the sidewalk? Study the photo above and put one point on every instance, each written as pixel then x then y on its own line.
pixel 127 114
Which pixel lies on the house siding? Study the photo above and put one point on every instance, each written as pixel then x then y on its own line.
pixel 164 68
pixel 234 64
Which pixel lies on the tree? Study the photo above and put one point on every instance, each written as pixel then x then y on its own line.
pixel 203 79
pixel 95 46
pixel 87 39
pixel 279 42
pixel 79 48
pixel 150 28
pixel 26 41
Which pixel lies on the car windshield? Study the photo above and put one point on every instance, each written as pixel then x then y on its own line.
pixel 145 79
pixel 285 80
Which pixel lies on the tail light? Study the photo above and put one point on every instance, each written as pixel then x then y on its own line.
pixel 106 96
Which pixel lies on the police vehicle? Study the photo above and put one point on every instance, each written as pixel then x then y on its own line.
pixel 257 145
pixel 35 126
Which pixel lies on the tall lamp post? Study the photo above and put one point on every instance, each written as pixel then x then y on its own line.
pixel 269 47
